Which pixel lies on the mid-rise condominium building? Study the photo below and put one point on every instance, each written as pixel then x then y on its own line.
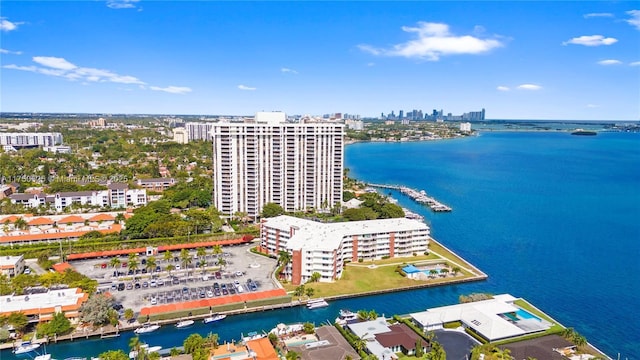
pixel 298 166
pixel 325 247
pixel 18 140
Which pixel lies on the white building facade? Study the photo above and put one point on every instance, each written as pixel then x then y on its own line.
pixel 325 247
pixel 297 166
pixel 198 131
pixel 114 197
pixel 30 139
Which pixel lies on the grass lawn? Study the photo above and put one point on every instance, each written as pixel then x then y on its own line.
pixel 361 279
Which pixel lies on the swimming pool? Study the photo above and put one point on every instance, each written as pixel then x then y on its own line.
pixel 523 314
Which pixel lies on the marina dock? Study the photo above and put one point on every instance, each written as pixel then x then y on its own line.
pixel 419 196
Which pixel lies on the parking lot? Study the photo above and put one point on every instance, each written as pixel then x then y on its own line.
pixel 243 272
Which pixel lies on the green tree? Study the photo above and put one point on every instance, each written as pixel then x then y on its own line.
pixel 115 262
pixel 292 355
pixel 211 341
pixel 271 210
pixel 18 320
pixel 96 309
pixel 437 352
pixel 419 348
pixel 185 257
pixel 128 314
pixel 299 291
pixel 273 338
pixel 201 252
pixel 58 325
pixel 113 355
pixel 193 343
pixel 347 195
pixel 151 263
pixel 308 328
pixel 315 277
pixel 309 291
pixel 167 256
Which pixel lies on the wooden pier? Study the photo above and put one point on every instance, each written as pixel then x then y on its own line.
pixel 420 197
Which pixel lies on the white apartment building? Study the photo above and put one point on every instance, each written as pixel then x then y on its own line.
pixel 30 139
pixel 325 247
pixel 11 265
pixel 465 126
pixel 297 166
pixel 117 195
pixel 354 124
pixel 198 130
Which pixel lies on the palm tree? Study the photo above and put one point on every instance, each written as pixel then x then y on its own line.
pixel 133 265
pixel 292 355
pixel 167 256
pixel 360 343
pixel 309 292
pixel 444 272
pixel 202 264
pixel 283 257
pixel 151 263
pixel 20 224
pixel 115 262
pixel 216 250
pixel 222 262
pixel 201 252
pixel 119 218
pixel 185 257
pixel 133 257
pixel 455 270
pixel 433 273
pixel 170 267
pixel 211 341
pixel 315 277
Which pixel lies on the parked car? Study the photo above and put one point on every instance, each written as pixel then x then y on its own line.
pixel 160 282
pixel 121 287
pixel 145 284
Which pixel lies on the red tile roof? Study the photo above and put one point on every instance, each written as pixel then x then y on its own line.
pixel 41 221
pixel 102 217
pixel 71 219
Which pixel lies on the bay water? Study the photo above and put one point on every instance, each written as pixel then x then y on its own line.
pixel 550 217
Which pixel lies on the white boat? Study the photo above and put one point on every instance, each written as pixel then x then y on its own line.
pixel 146 328
pixel 254 335
pixel 148 349
pixel 25 347
pixel 214 318
pixel 313 301
pixel 317 305
pixel 43 357
pixel 184 323
pixel 345 316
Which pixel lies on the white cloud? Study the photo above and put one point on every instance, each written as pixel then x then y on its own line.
pixel 610 62
pixel 287 70
pixel 172 89
pixel 592 106
pixel 635 63
pixel 122 4
pixel 6 25
pixel 529 87
pixel 503 88
pixel 60 67
pixel 9 52
pixel 54 62
pixel 432 41
pixel 591 40
pixel 592 15
pixel 635 18
pixel 244 87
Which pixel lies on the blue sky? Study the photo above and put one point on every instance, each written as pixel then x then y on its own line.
pixel 519 60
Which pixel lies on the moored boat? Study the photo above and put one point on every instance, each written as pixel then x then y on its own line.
pixel 184 323
pixel 346 316
pixel 25 347
pixel 584 132
pixel 214 318
pixel 146 328
pixel 147 349
pixel 320 303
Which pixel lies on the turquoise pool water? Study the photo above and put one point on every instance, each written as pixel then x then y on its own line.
pixel 523 314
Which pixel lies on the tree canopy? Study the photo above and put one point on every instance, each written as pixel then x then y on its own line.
pixel 271 210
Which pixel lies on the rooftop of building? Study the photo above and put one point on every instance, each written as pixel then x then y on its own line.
pixel 313 235
pixel 9 261
pixel 66 299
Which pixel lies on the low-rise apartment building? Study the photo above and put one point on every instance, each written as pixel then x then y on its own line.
pixel 118 195
pixel 12 265
pixel 325 247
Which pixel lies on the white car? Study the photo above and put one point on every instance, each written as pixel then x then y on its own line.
pixel 177 267
pixel 154 301
pixel 205 277
pixel 153 283
pixel 239 273
pixel 209 293
pixel 160 282
pixel 27 271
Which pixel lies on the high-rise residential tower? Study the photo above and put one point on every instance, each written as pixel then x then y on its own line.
pixel 295 165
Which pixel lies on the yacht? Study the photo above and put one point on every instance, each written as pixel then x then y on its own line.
pixel 184 323
pixel 146 328
pixel 25 347
pixel 346 316
pixel 214 318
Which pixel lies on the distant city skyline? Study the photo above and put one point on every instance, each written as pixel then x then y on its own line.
pixel 519 60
